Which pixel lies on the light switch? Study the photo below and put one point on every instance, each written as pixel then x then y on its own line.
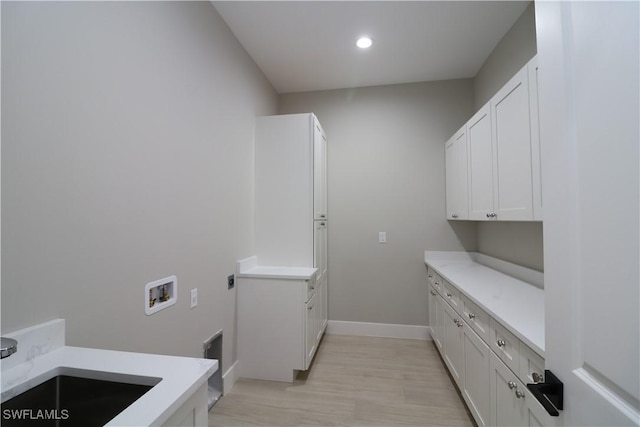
pixel 382 237
pixel 194 297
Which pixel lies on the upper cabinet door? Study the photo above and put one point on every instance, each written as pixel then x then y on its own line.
pixel 462 163
pixel 451 177
pixel 457 185
pixel 536 166
pixel 481 160
pixel 319 172
pixel 512 182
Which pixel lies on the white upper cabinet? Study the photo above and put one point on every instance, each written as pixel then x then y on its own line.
pixel 512 184
pixel 502 151
pixel 480 165
pixel 457 184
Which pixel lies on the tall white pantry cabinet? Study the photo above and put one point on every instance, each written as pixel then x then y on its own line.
pixel 291 192
pixel 282 291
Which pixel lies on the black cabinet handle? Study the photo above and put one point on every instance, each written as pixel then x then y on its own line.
pixel 549 393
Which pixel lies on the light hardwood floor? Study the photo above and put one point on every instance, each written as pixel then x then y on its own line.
pixel 353 381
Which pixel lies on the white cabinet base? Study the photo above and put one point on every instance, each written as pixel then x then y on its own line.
pixel 489 364
pixel 280 319
pixel 193 413
pixel 271 328
pixel 512 404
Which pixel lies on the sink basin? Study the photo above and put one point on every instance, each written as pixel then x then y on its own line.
pixel 69 397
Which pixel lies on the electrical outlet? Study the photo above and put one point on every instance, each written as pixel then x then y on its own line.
pixel 194 297
pixel 231 281
pixel 382 237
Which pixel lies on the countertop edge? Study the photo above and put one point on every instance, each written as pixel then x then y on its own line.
pixel 287 273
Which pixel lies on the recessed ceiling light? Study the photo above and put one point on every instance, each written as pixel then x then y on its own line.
pixel 364 42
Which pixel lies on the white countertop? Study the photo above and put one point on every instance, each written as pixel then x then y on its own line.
pixel 249 267
pixel 181 376
pixel 517 305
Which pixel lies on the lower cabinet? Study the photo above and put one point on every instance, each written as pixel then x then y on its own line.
pixel 493 392
pixel 453 350
pixel 316 319
pixel 476 376
pixel 280 324
pixel 192 413
pixel 511 402
pixel 323 309
pixel 312 321
pixel 436 317
pixel 440 323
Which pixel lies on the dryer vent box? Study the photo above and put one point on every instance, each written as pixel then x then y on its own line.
pixel 213 350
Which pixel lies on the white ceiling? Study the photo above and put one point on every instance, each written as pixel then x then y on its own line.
pixel 310 45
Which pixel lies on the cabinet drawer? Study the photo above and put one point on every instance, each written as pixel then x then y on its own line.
pixel 477 318
pixel 430 276
pixel 311 287
pixel 530 363
pixel 451 294
pixel 505 345
pixel 435 280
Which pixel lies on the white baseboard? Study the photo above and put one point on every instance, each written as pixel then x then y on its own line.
pixel 383 330
pixel 230 377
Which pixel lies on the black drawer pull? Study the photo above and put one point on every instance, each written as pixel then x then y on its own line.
pixel 549 393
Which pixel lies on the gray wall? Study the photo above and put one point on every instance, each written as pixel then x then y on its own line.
pixel 517 242
pixel 127 156
pixel 386 173
pixel 515 49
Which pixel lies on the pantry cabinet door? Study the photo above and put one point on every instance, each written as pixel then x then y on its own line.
pixel 512 181
pixel 320 248
pixel 319 172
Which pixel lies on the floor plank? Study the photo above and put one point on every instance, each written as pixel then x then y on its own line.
pixel 353 381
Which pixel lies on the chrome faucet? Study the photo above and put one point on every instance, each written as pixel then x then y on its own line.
pixel 9 346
